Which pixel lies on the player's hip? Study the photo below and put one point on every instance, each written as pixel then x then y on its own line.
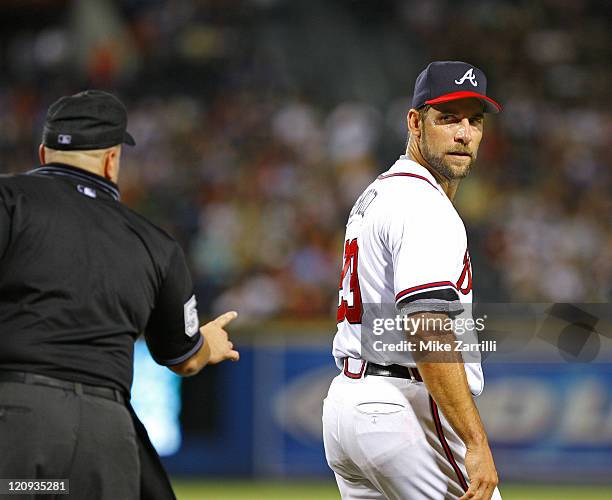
pixel 377 430
pixel 384 398
pixel 383 431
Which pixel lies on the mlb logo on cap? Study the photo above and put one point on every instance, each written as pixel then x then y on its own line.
pixel 64 138
pixel 444 81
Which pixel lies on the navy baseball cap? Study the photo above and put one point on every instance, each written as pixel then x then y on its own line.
pixel 92 119
pixel 444 81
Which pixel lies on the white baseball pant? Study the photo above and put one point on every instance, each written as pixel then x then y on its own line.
pixel 385 438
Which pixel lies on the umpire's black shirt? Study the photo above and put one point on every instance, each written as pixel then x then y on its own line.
pixel 81 276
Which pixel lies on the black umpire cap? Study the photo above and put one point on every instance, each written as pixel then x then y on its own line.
pixel 444 81
pixel 92 119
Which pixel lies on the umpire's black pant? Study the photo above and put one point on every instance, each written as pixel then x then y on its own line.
pixel 48 432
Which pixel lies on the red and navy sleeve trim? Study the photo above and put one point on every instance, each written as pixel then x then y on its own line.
pixel 438 290
pixel 406 174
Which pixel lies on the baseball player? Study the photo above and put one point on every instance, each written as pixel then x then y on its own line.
pixel 406 427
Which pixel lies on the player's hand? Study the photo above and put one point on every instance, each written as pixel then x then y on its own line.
pixel 221 348
pixel 481 473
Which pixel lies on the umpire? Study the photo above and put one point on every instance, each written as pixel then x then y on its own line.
pixel 81 276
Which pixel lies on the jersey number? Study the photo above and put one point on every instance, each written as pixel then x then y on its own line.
pixel 349 295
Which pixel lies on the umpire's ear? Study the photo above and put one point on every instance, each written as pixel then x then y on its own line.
pixel 112 158
pixel 414 122
pixel 41 154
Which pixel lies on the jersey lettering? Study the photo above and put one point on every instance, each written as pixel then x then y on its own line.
pixel 364 201
pixel 464 283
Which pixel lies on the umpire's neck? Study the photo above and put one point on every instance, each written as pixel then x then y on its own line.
pixel 102 162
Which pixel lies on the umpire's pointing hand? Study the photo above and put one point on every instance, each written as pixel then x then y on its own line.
pixel 221 348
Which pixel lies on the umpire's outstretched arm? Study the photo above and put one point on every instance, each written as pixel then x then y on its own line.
pixel 216 347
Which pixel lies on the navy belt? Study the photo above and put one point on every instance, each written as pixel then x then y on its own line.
pixel 76 387
pixel 397 371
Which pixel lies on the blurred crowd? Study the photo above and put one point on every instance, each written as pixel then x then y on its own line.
pixel 259 122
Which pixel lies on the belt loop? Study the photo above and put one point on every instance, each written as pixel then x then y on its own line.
pixel 118 396
pixel 364 369
pixel 78 388
pixel 354 375
pixel 415 375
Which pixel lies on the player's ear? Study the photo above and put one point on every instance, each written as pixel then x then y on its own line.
pixel 41 154
pixel 414 123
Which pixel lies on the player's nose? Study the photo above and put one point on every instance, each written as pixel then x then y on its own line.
pixel 464 132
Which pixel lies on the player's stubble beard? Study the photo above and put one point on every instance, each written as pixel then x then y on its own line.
pixel 439 162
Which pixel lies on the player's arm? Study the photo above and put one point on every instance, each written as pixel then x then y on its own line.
pixel 444 375
pixel 427 252
pixel 216 347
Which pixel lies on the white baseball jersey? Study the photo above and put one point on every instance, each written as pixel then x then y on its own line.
pixel 406 245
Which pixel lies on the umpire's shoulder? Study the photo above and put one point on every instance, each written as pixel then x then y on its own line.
pixel 22 183
pixel 146 226
pixel 9 186
pixel 157 240
pixel 8 179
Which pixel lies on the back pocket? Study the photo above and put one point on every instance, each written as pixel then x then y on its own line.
pixel 379 408
pixel 385 435
pixel 9 410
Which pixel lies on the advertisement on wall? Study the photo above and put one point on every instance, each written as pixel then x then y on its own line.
pixel 546 421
